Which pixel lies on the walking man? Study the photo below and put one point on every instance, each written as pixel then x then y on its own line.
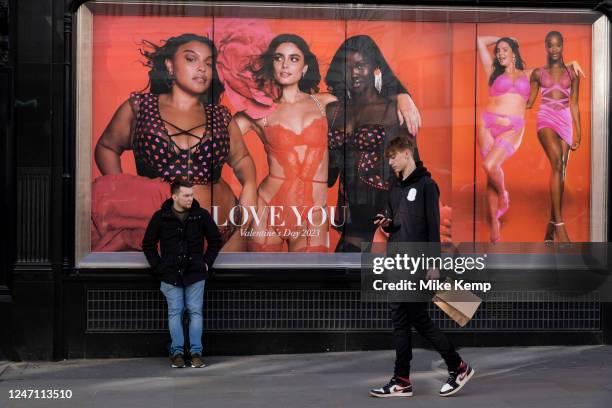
pixel 181 227
pixel 413 215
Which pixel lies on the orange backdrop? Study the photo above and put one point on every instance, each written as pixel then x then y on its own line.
pixel 435 61
pixel 118 70
pixel 527 172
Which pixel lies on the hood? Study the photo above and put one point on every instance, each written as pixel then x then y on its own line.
pixel 417 173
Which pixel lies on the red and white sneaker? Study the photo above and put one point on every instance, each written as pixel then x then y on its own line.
pixel 395 388
pixel 457 379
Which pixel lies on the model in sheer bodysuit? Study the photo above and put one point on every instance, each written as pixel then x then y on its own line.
pixel 361 123
pixel 356 142
pixel 296 183
pixel 294 134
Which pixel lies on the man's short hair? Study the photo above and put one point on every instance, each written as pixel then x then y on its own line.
pixel 176 185
pixel 399 144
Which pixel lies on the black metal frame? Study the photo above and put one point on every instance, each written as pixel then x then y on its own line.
pixel 271 274
pixel 604 6
pixel 7 154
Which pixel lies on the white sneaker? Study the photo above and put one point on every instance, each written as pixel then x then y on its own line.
pixel 395 388
pixel 457 379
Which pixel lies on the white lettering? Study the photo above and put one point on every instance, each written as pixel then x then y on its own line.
pixel 332 216
pixel 298 215
pixel 323 215
pixel 401 285
pixel 245 216
pixel 215 209
pixel 274 216
pixel 255 215
pixel 378 269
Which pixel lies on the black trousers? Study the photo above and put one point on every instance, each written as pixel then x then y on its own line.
pixel 406 315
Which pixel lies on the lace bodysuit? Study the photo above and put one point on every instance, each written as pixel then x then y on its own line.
pixel 358 157
pixel 297 178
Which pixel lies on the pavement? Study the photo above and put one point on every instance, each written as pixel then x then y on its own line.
pixel 536 377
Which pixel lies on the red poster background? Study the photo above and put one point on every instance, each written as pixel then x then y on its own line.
pixel 528 171
pixel 437 63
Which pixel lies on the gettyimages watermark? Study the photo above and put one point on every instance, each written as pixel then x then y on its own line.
pixel 412 265
pixel 413 272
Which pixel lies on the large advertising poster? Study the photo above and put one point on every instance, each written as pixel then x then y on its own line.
pixel 281 125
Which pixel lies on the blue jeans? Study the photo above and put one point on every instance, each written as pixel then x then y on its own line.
pixel 180 298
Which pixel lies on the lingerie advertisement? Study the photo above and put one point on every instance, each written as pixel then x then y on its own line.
pixel 281 125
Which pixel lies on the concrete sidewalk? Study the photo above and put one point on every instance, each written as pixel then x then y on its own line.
pixel 536 377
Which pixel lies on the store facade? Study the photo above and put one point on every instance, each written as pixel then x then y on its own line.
pixel 74 282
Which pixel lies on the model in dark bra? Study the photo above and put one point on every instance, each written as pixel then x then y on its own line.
pixel 297 159
pixel 357 159
pixel 360 125
pixel 179 131
pixel 158 155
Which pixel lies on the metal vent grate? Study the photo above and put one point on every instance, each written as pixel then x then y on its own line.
pixel 128 310
pixel 33 215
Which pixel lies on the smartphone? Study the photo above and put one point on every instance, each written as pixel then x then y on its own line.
pixel 377 217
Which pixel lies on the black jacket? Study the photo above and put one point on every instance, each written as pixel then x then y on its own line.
pixel 182 261
pixel 413 207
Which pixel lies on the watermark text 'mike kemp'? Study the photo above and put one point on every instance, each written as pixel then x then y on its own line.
pixel 432 285
pixel 410 264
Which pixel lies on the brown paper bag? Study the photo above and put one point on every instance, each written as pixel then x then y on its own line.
pixel 459 305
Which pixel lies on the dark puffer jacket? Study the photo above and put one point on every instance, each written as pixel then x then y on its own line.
pixel 182 261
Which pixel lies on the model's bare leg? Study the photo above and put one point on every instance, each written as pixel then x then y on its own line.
pixel 497 194
pixel 557 152
pixel 485 144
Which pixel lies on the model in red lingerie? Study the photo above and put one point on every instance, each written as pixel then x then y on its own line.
pixel 278 96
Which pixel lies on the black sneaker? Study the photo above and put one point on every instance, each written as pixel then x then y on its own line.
pixel 395 388
pixel 457 379
pixel 196 361
pixel 177 361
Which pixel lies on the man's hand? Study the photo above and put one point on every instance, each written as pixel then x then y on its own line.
pixel 381 221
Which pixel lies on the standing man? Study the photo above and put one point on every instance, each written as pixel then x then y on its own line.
pixel 413 215
pixel 181 227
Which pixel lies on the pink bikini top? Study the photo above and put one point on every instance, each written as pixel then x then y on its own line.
pixel 503 84
pixel 548 84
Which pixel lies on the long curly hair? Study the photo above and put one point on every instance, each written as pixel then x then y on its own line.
pixel 159 77
pixel 498 69
pixel 265 71
pixel 365 45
